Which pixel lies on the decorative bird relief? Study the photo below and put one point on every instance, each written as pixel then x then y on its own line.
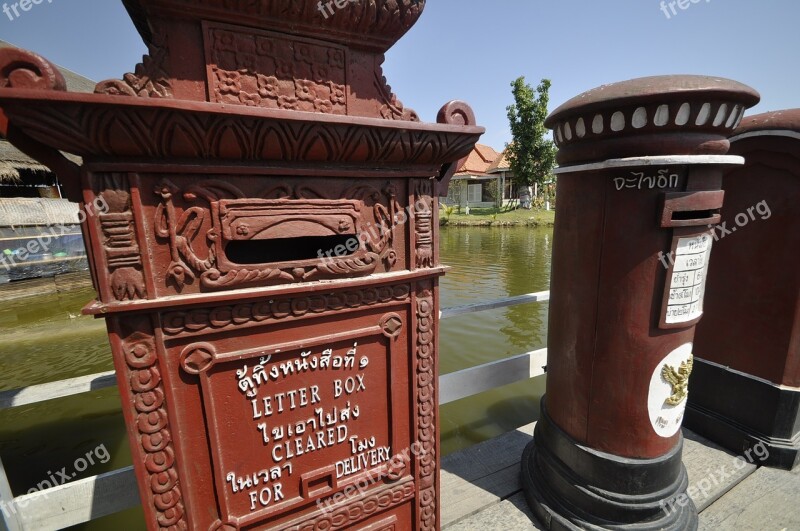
pixel 679 380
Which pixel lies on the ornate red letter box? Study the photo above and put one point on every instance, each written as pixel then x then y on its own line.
pixel 639 185
pixel 746 385
pixel 265 257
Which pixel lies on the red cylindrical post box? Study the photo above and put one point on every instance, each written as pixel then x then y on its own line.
pixel 641 164
pixel 745 392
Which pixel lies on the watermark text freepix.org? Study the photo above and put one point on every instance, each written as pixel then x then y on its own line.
pixel 670 7
pixel 372 233
pixel 98 455
pixel 701 489
pixel 43 242
pixel 17 9
pixel 722 230
pixel 326 7
pixel 397 461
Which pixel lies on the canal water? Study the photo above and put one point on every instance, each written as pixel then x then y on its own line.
pixel 46 339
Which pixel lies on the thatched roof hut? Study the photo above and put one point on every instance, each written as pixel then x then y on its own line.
pixel 35 211
pixel 14 163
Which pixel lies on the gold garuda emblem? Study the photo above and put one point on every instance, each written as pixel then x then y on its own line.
pixel 679 380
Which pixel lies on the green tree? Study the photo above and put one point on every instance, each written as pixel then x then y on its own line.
pixel 531 154
pixel 458 190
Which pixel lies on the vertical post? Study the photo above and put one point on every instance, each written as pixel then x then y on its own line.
pixel 8 509
pixel 502 191
pixel 745 390
pixel 641 166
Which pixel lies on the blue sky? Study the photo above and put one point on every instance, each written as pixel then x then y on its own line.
pixel 473 49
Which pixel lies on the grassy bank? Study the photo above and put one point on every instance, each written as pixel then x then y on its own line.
pixel 493 217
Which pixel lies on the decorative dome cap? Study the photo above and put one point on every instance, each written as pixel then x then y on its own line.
pixel 660 115
pixel 787 120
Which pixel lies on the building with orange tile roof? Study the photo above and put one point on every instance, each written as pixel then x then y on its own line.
pixel 484 172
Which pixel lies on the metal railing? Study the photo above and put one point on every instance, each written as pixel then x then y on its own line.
pixel 87 499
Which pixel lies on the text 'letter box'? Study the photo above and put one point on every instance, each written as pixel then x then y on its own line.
pixel 746 387
pixel 638 188
pixel 267 263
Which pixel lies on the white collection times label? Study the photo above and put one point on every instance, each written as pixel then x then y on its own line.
pixel 688 283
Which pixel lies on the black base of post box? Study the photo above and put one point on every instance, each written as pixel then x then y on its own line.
pixel 571 487
pixel 739 411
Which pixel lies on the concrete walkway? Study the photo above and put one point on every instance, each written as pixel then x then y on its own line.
pixel 481 488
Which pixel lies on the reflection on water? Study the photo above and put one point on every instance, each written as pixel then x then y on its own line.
pixel 46 339
pixel 491 263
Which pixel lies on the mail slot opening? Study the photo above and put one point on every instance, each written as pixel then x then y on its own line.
pixel 320 485
pixel 291 249
pixel 688 215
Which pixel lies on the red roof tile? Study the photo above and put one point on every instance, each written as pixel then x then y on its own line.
pixel 499 164
pixel 478 161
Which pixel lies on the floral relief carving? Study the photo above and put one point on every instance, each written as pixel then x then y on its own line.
pixel 257 69
pixel 228 82
pixel 150 79
pixel 267 86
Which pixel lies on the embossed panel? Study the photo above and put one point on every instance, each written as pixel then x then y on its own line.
pixel 264 69
pixel 117 234
pixel 301 415
pixel 340 230
pixel 307 422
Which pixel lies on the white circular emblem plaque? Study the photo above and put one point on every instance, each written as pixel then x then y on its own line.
pixel 669 391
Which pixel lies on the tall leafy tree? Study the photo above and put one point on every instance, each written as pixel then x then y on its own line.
pixel 531 154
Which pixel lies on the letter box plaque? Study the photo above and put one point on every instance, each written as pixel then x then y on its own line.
pixel 268 263
pixel 270 438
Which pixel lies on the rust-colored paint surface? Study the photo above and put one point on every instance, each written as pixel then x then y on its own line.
pixel 615 314
pixel 753 297
pixel 262 224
